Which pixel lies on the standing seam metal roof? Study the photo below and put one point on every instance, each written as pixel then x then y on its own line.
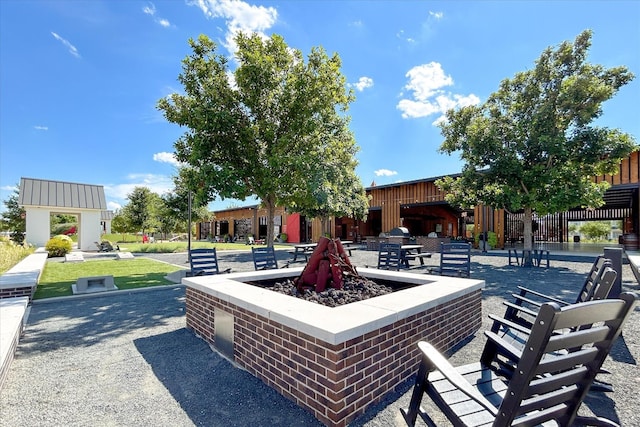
pixel 41 192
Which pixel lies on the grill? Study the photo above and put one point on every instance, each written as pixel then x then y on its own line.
pixel 399 235
pixel 399 232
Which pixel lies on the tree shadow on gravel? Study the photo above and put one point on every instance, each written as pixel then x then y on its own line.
pixel 210 390
pixel 85 322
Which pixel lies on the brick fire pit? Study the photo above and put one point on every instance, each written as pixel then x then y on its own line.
pixel 335 362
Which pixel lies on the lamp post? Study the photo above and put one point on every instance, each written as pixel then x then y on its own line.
pixel 189 226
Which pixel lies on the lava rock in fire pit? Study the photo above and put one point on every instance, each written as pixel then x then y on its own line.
pixel 356 288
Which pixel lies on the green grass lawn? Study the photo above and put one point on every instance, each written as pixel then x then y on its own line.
pixel 171 247
pixel 57 277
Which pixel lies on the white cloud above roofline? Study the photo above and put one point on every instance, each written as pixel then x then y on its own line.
pixel 426 94
pixel 385 172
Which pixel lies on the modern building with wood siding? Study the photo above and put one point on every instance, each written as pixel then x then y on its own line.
pixel 420 207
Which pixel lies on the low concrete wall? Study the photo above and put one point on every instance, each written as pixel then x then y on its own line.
pixel 17 287
pixel 12 315
pixel 22 279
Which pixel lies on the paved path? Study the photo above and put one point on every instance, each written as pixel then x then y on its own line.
pixel 126 359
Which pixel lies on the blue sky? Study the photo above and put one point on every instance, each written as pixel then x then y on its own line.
pixel 79 80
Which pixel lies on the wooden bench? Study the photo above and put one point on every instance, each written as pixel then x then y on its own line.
pixel 204 262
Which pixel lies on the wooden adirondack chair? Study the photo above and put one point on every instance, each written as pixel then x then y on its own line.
pixel 455 259
pixel 597 285
pixel 265 258
pixel 389 256
pixel 566 347
pixel 204 262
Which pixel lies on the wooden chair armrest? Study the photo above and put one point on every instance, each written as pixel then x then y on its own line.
pixel 510 350
pixel 454 377
pixel 524 291
pixel 197 272
pixel 520 308
pixel 529 301
pixel 509 324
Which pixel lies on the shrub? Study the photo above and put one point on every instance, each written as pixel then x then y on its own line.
pixel 283 237
pixel 492 239
pixel 12 253
pixel 58 246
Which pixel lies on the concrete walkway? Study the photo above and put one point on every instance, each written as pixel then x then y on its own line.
pixel 126 359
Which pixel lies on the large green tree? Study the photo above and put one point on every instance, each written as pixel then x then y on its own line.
pixel 532 145
pixel 262 129
pixel 142 210
pixel 13 218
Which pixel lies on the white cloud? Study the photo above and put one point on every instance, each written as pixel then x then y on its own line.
pixel 239 16
pixel 150 10
pixel 363 83
pixel 436 15
pixel 428 97
pixel 165 157
pixel 113 206
pixel 72 49
pixel 158 184
pixel 385 172
pixel 8 188
pixel 41 128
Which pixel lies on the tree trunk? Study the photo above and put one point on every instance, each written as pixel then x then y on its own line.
pixel 324 226
pixel 270 204
pixel 528 237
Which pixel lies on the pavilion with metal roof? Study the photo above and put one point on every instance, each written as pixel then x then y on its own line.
pixel 40 198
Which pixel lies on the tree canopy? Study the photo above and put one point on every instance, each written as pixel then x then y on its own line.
pixel 533 145
pixel 141 211
pixel 269 128
pixel 13 218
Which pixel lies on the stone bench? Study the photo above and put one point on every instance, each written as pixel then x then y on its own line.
pixel 12 318
pixel 87 285
pixel 22 279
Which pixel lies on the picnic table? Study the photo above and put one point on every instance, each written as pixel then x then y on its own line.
pixel 305 249
pixel 537 256
pixel 412 252
pixel 302 250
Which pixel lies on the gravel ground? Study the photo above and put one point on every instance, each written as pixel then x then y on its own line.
pixel 126 359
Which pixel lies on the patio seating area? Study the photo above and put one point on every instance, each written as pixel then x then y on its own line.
pixel 163 373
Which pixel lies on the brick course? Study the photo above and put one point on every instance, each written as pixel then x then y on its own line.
pixel 335 382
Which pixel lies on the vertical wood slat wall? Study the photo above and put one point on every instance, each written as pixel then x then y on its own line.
pixel 391 198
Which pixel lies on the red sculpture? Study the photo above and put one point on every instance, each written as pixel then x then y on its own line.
pixel 326 267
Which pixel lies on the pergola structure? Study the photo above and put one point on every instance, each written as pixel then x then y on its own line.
pixel 40 198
